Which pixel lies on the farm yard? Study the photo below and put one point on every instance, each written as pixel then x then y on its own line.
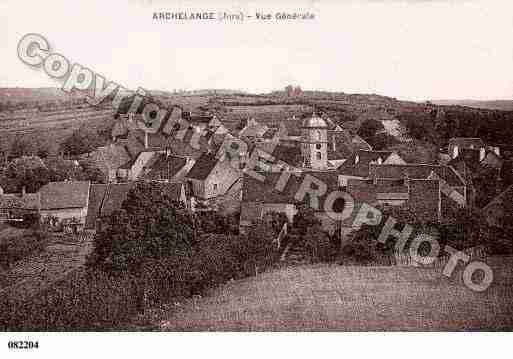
pixel 346 298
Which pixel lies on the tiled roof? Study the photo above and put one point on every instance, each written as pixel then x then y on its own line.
pixel 288 154
pixel 61 195
pixel 366 190
pixel 96 197
pixel 256 130
pixel 505 199
pixel 113 156
pixel 422 196
pixel 203 166
pixel 343 148
pixel 417 171
pixel 292 126
pixel 164 166
pixel 468 157
pixel 360 144
pixel 466 142
pixel 115 195
pixel 253 190
pixel 360 168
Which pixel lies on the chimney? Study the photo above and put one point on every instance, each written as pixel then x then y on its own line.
pixel 356 159
pixel 146 139
pixel 23 191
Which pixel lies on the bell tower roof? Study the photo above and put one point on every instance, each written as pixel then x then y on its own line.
pixel 314 121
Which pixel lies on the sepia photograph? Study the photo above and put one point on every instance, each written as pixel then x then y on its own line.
pixel 338 170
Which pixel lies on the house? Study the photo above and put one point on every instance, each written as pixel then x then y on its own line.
pixel 210 177
pixel 261 197
pixel 166 167
pixel 65 202
pixel 277 156
pixel 357 166
pixel 479 167
pixel 253 130
pixel 452 185
pixel 109 159
pixel 458 143
pixel 421 196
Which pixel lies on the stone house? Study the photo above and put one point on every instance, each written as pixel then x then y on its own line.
pixel 65 202
pixel 261 197
pixel 452 185
pixel 458 143
pixel 109 159
pixel 210 177
pixel 357 166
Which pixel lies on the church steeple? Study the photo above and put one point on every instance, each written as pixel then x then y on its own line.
pixel 314 142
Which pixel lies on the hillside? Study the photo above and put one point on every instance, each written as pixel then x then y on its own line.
pixel 503 105
pixel 319 298
pixel 52 114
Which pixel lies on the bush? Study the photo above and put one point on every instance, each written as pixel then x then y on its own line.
pixel 20 245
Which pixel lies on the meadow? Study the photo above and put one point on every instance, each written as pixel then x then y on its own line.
pixel 350 298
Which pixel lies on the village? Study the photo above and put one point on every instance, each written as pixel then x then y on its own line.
pixel 208 168
pixel 261 171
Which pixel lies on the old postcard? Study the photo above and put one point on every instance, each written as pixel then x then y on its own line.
pixel 241 166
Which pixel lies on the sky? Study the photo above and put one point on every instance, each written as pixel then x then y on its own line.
pixel 409 49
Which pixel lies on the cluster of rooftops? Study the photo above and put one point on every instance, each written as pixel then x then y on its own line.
pixel 191 163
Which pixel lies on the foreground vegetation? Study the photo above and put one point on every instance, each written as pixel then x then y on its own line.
pixel 347 298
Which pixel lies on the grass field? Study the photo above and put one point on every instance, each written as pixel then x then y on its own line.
pixel 344 298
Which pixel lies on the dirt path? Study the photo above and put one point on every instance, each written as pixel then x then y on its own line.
pixel 34 274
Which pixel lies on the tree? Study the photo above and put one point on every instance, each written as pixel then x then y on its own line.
pixel 20 147
pixel 151 225
pixel 27 172
pixel 91 172
pixel 61 169
pixel 275 220
pixel 304 219
pixel 369 128
pixel 81 141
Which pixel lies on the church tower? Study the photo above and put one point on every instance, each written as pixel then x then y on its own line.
pixel 314 143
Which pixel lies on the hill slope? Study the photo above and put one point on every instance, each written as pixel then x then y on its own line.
pixel 349 298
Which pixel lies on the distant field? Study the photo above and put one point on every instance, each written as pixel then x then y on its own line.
pixel 503 105
pixel 270 115
pixel 344 298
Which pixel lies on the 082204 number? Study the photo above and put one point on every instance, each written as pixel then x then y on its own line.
pixel 23 344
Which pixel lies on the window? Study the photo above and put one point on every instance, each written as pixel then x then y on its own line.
pixel 318 146
pixel 319 155
pixel 215 187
